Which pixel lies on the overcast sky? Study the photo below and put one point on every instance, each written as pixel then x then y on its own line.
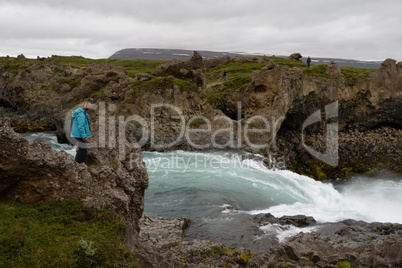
pixel 355 29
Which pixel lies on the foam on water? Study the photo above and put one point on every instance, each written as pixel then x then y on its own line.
pixel 283 232
pixel 250 187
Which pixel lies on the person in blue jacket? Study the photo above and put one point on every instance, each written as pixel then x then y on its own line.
pixel 81 131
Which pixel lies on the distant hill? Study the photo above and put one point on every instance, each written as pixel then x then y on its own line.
pixel 184 54
pixel 167 54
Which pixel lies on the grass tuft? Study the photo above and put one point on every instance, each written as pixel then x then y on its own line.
pixel 352 74
pixel 163 83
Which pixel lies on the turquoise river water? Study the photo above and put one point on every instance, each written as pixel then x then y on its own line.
pixel 221 190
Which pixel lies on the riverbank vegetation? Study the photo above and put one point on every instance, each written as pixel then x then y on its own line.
pixel 61 234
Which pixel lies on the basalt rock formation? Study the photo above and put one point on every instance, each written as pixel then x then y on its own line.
pixel 295 56
pixel 274 106
pixel 368 103
pixel 40 95
pixel 344 244
pixel 334 71
pixel 349 243
pixel 192 70
pixel 32 172
pixel 281 100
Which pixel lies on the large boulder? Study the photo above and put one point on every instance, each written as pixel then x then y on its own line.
pixel 295 56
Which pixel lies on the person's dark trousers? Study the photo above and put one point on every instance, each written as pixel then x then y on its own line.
pixel 82 153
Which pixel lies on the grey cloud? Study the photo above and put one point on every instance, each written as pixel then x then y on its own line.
pixel 350 29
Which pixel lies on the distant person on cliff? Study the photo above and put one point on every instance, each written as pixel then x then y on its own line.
pixel 224 75
pixel 80 130
pixel 308 61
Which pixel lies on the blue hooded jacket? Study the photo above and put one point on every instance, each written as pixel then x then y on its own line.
pixel 80 127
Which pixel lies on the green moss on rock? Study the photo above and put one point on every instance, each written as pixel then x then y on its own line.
pixel 344 264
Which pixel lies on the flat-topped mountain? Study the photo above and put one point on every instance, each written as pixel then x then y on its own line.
pixel 185 54
pixel 168 54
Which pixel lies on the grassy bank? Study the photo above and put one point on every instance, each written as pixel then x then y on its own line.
pixel 235 70
pixel 133 66
pixel 61 234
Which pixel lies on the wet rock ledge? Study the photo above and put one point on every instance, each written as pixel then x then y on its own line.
pixel 348 243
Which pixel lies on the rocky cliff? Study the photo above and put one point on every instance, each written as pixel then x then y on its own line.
pixel 184 105
pixel 32 172
pixel 368 108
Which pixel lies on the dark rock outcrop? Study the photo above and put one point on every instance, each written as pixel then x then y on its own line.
pixel 351 243
pixel 40 92
pixel 168 237
pixel 334 71
pixel 192 70
pixel 295 56
pixel 297 220
pixel 367 105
